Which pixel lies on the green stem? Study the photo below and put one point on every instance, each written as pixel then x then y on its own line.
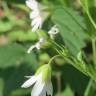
pixel 53 58
pixel 88 89
pixel 94 51
pixel 91 20
pixel 88 13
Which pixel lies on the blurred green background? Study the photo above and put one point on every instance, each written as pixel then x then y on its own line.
pixel 16 37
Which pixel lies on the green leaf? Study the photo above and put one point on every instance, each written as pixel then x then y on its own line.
pixel 74 79
pixel 14 77
pixel 5 26
pixel 22 35
pixel 72 28
pixel 11 55
pixel 31 60
pixel 14 55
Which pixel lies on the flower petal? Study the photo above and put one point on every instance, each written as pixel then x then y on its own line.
pixel 34 14
pixel 38 87
pixel 35 27
pixel 49 88
pixel 38 45
pixel 34 21
pixel 37 20
pixel 32 4
pixel 29 82
pixel 43 93
pixel 27 76
pixel 30 49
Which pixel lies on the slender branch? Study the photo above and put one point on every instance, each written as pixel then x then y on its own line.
pixel 91 20
pixel 88 89
pixel 53 58
pixel 94 50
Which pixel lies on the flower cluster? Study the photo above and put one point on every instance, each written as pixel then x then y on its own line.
pixel 37 22
pixel 34 15
pixel 41 81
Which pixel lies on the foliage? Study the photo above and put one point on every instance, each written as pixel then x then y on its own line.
pixel 75 43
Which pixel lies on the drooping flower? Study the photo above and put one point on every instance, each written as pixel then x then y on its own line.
pixel 54 30
pixel 35 14
pixel 37 45
pixel 41 82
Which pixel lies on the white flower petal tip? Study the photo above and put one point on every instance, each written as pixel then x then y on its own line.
pixel 38 87
pixel 42 40
pixel 49 89
pixel 35 15
pixel 54 30
pixel 37 45
pixel 27 76
pixel 32 4
pixel 36 24
pixel 29 82
pixel 30 49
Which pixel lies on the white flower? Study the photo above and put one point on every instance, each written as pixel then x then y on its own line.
pixel 37 45
pixel 54 30
pixel 41 82
pixel 35 14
